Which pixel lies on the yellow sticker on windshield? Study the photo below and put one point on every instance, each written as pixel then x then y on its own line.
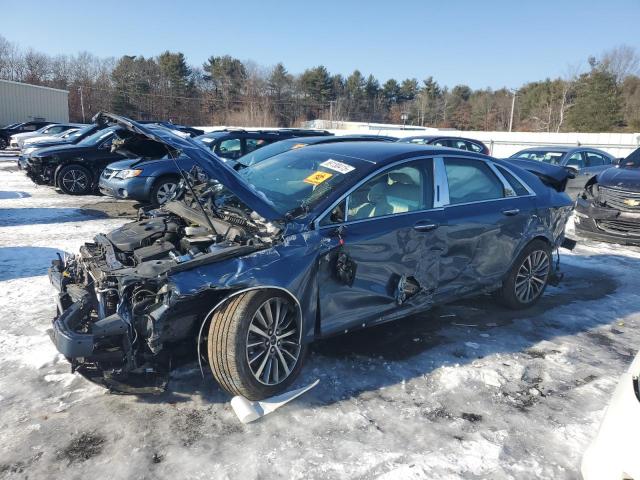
pixel 316 178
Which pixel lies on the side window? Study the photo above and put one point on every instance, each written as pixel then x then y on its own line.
pixel 106 145
pixel 230 148
pixel 471 181
pixel 575 160
pixel 54 130
pixel 336 215
pixel 254 144
pixel 30 128
pixel 517 187
pixel 473 147
pixel 459 144
pixel 401 189
pixel 596 160
pixel 441 143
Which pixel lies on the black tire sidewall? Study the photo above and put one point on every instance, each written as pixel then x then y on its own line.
pixel 69 168
pixel 248 385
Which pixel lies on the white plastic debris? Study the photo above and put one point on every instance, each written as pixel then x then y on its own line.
pixel 248 411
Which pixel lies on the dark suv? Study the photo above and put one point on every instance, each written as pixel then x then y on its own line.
pixel 231 144
pixel 6 132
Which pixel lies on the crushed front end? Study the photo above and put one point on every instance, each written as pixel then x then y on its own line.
pixel 120 320
pixel 608 214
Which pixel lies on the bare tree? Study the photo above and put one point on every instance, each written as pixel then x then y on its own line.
pixel 621 62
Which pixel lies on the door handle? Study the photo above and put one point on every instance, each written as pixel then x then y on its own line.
pixel 425 226
pixel 510 212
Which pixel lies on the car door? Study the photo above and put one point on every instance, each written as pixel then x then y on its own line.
pixel 595 162
pixel 385 254
pixel 486 218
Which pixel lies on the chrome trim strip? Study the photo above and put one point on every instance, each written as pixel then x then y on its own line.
pixel 525 184
pixel 394 215
pixel 238 292
pixel 508 189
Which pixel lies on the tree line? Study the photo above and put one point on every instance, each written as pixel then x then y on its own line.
pixel 604 96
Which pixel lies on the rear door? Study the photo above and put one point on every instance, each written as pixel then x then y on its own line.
pixel 385 253
pixel 486 217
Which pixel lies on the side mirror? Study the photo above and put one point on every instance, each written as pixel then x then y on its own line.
pixel 573 168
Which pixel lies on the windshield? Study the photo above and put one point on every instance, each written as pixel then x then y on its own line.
pixel 298 180
pixel 632 161
pixel 82 131
pixel 97 137
pixel 545 156
pixel 269 151
pixel 209 138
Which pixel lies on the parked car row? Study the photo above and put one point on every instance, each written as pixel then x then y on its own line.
pixel 97 158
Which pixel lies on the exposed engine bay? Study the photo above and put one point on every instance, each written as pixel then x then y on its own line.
pixel 114 297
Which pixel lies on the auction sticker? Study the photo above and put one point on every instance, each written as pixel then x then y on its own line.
pixel 337 166
pixel 316 178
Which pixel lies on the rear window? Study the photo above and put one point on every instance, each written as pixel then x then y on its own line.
pixel 518 188
pixel 471 181
pixel 545 156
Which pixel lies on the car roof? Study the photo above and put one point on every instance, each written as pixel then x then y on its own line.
pixel 381 153
pixel 561 148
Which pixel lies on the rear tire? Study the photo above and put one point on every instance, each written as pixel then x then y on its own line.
pixel 162 190
pixel 3 143
pixel 74 180
pixel 527 280
pixel 247 355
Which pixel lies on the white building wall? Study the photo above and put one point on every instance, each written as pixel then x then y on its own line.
pixel 21 102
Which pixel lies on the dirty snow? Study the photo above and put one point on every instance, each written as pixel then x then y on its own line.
pixel 468 390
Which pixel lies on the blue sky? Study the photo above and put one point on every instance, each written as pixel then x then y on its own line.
pixel 478 43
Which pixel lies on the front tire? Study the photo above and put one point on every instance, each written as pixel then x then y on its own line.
pixel 163 190
pixel 528 278
pixel 254 344
pixel 74 180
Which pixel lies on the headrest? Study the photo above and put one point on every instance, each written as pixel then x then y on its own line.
pixel 402 178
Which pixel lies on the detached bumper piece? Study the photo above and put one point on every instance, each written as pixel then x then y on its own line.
pixel 607 224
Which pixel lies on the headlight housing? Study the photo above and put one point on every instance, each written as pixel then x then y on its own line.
pixel 128 173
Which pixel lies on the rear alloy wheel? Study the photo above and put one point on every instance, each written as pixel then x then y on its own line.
pixel 255 344
pixel 74 180
pixel 163 191
pixel 528 277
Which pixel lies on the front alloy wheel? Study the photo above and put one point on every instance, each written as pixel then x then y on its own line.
pixel 165 192
pixel 74 180
pixel 273 342
pixel 255 346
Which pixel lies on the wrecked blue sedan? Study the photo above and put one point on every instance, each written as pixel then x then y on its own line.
pixel 247 268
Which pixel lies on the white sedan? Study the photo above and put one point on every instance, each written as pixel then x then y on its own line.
pixel 18 139
pixel 615 454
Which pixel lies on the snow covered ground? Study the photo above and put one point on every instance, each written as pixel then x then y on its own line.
pixel 467 391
